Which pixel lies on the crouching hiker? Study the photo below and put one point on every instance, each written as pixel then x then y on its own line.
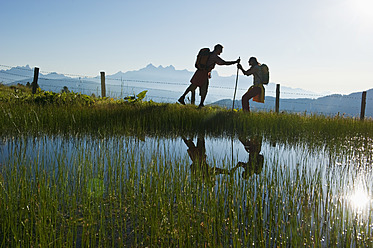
pixel 261 77
pixel 205 63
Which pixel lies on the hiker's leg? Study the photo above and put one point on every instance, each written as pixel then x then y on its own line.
pixel 203 97
pixel 247 96
pixel 193 97
pixel 189 143
pixel 245 103
pixel 201 144
pixel 192 87
pixel 203 93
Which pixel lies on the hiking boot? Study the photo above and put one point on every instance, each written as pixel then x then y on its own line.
pixel 200 106
pixel 181 100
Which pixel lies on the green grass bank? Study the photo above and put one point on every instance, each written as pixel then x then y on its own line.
pixel 99 198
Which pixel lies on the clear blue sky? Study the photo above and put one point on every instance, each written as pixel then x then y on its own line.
pixel 318 45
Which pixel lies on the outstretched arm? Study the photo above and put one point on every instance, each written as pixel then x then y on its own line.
pixel 220 61
pixel 233 170
pixel 248 72
pixel 233 62
pixel 239 66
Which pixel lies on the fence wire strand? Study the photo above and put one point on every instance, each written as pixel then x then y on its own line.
pixel 87 80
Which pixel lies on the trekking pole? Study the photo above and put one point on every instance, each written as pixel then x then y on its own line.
pixel 235 88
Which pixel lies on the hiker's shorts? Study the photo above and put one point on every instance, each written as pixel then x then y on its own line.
pixel 203 88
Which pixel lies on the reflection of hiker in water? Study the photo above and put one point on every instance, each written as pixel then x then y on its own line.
pixel 256 160
pixel 198 155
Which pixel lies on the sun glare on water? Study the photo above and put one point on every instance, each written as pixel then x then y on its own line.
pixel 359 199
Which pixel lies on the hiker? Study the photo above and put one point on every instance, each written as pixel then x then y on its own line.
pixel 256 91
pixel 203 73
pixel 199 166
pixel 255 164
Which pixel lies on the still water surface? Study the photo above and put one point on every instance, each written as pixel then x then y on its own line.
pixel 344 174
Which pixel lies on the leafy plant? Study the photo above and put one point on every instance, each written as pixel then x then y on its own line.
pixel 136 98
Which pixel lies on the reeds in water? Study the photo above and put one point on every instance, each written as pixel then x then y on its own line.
pixel 117 192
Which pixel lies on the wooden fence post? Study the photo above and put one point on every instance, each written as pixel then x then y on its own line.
pixel 103 89
pixel 277 98
pixel 35 81
pixel 363 104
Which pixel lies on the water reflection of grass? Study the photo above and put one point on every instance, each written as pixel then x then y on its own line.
pixel 112 194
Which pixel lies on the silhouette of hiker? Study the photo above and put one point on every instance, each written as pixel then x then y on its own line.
pixel 256 160
pixel 256 91
pixel 199 164
pixel 201 76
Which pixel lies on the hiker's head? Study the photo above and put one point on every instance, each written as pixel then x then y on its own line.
pixel 253 61
pixel 218 49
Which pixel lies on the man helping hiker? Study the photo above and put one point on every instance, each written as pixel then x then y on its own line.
pixel 261 77
pixel 205 63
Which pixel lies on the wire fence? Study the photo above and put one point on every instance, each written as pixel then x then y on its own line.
pixel 119 88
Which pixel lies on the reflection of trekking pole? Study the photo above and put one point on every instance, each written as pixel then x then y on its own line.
pixel 235 88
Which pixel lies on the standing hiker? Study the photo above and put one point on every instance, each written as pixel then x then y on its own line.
pixel 205 63
pixel 256 91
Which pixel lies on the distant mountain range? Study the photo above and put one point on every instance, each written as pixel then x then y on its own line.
pixel 347 105
pixel 166 84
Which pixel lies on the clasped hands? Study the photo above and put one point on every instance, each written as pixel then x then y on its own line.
pixel 239 66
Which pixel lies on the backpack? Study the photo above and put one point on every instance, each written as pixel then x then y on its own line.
pixel 265 74
pixel 202 58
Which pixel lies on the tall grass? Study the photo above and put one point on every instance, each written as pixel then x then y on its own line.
pixel 107 193
pixel 67 113
pixel 161 119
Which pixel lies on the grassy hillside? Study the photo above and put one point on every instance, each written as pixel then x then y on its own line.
pixel 72 113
